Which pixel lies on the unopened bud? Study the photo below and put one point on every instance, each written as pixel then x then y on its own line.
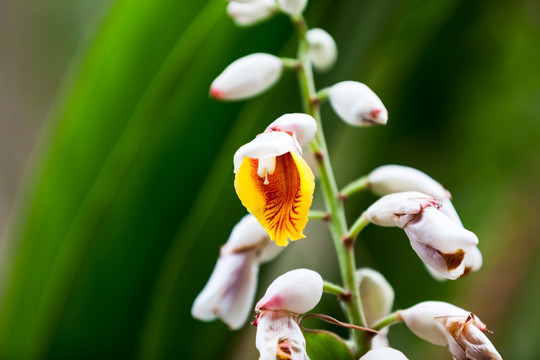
pixel 297 291
pixel 384 353
pixel 292 7
pixel 247 77
pixel 322 49
pixel 251 13
pixel 357 104
pixel 302 126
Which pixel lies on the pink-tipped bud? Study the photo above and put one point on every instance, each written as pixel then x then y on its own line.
pixel 357 104
pixel 384 353
pixel 297 291
pixel 251 13
pixel 322 49
pixel 302 126
pixel 247 77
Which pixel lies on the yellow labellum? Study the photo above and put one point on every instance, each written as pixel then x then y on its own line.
pixel 282 204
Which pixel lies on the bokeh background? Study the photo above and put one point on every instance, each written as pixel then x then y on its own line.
pixel 116 168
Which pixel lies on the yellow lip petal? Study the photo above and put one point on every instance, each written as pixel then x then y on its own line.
pixel 282 204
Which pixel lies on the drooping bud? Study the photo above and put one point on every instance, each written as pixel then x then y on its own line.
pixel 297 291
pixel 444 324
pixel 357 104
pixel 292 7
pixel 247 77
pixel 230 291
pixel 322 49
pixel 251 13
pixel 384 353
pixel 440 242
pixel 302 126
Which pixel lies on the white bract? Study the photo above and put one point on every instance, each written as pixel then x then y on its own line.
pixel 251 13
pixel 302 126
pixel 322 49
pixel 229 293
pixel 444 324
pixel 292 7
pixel 357 104
pixel 384 353
pixel 278 333
pixel 377 298
pixel 247 77
pixel 439 241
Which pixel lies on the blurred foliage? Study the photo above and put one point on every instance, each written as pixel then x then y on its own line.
pixel 131 195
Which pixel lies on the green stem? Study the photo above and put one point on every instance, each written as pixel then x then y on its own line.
pixel 334 289
pixel 318 215
pixel 391 319
pixel 354 187
pixel 338 225
pixel 358 226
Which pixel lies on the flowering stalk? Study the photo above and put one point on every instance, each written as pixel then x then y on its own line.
pixel 343 243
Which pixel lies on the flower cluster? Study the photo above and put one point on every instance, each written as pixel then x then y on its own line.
pixel 276 184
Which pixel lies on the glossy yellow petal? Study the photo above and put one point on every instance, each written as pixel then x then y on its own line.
pixel 282 204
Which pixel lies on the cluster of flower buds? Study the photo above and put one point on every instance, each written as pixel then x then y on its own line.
pixel 392 179
pixel 444 324
pixel 272 179
pixel 229 293
pixel 278 334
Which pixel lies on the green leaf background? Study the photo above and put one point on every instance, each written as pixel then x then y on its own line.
pixel 128 194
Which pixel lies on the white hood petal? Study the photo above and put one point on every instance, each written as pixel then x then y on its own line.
pixel 322 49
pixel 303 126
pixel 279 330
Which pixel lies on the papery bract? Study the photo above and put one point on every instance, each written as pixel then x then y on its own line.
pixel 229 293
pixel 302 126
pixel 322 49
pixel 275 184
pixel 384 353
pixel 251 13
pixel 247 77
pixel 357 104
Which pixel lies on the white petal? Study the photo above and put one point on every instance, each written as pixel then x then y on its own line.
pixel 279 326
pixel 246 235
pixel 376 293
pixel 473 260
pixel 303 126
pixel 251 13
pixel 384 353
pixel 357 104
pixel 267 144
pixel 268 251
pixel 292 7
pixel 322 49
pixel 388 179
pixel 435 261
pixel 247 77
pixel 421 320
pixel 448 209
pixel 437 230
pixel 297 291
pixel 398 209
pixel 476 344
pixel 229 292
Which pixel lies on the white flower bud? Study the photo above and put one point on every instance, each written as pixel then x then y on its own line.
pixel 279 336
pixel 384 353
pixel 420 319
pixel 398 209
pixel 251 13
pixel 473 260
pixel 357 104
pixel 292 7
pixel 297 291
pixel 444 324
pixel 389 179
pixel 230 291
pixel 247 77
pixel 302 126
pixel 376 293
pixel 322 49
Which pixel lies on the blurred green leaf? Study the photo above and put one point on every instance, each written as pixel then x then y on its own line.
pixel 326 345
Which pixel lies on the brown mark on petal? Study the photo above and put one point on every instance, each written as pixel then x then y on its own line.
pixel 284 350
pixel 453 260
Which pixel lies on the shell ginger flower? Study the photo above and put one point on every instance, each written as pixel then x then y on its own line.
pixel 275 184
